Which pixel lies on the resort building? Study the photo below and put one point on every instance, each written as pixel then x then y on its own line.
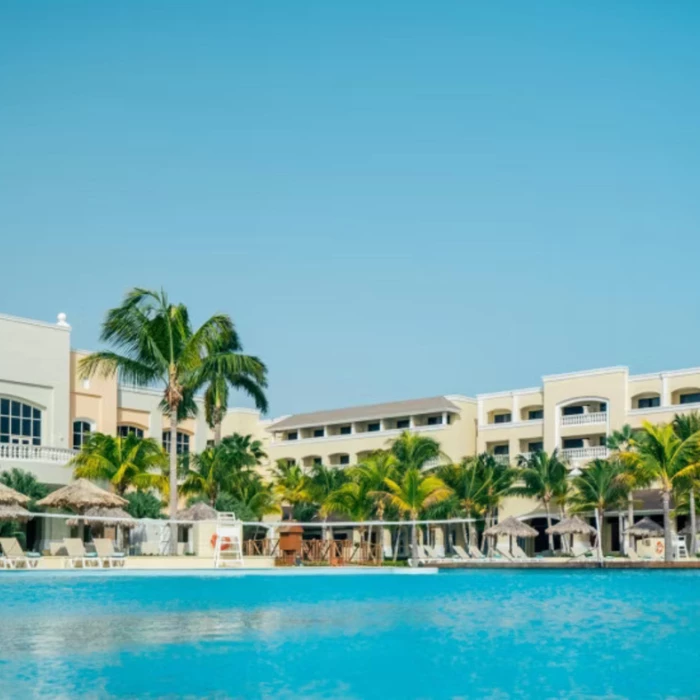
pixel 47 410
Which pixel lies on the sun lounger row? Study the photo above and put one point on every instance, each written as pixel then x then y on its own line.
pixel 428 556
pixel 104 556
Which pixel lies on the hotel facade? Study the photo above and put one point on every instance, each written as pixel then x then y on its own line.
pixel 47 410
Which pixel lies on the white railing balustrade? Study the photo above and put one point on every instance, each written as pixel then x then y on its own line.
pixel 585 418
pixel 584 453
pixel 36 453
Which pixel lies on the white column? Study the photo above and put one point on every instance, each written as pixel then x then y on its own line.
pixel 515 410
pixel 480 411
pixel 444 418
pixel 411 423
pixel 665 398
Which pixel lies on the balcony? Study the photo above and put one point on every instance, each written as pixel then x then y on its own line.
pixel 601 417
pixel 579 454
pixel 36 453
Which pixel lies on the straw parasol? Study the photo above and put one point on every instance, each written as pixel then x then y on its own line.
pixel 95 516
pixel 645 528
pixel 511 527
pixel 571 526
pixel 687 530
pixel 80 496
pixel 198 511
pixel 14 513
pixel 11 497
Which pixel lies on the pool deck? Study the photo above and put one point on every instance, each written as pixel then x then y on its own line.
pixel 610 563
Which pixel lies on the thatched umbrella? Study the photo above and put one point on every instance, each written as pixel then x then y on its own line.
pixel 14 513
pixel 511 527
pixel 571 526
pixel 687 530
pixel 98 515
pixel 198 511
pixel 645 528
pixel 10 497
pixel 80 496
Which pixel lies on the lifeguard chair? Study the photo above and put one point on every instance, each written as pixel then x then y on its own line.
pixel 227 545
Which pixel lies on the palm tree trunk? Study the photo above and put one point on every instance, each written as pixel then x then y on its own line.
pixel 397 543
pixel 217 433
pixel 630 520
pixel 465 535
pixel 599 528
pixel 414 543
pixel 549 524
pixel 668 541
pixel 693 536
pixel 173 479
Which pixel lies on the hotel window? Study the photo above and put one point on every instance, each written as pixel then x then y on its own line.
pixel 20 423
pixel 501 450
pixel 573 443
pixel 345 429
pixel 183 442
pixel 434 420
pixel 690 398
pixel 572 410
pixel 124 430
pixel 534 446
pixel 535 414
pixel 318 461
pixel 344 460
pixel 293 435
pixel 649 402
pixel 374 427
pixel 502 418
pixel 403 423
pixel 603 408
pixel 81 432
pixel 318 432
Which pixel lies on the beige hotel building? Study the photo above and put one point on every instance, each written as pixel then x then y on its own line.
pixel 46 411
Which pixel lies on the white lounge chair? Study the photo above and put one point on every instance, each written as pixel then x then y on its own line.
pixel 519 552
pixel 77 556
pixel 14 556
pixel 475 552
pixel 461 554
pixel 106 552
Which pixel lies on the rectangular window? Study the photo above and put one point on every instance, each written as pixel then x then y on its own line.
pixel 434 420
pixel 535 414
pixel 501 450
pixel 690 398
pixel 650 402
pixel 345 429
pixel 344 459
pixel 374 427
pixel 572 410
pixel 318 461
pixel 294 435
pixel 573 443
pixel 319 432
pixel 603 408
pixel 502 418
pixel 534 446
pixel 403 423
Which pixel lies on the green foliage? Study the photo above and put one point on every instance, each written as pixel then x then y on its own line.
pixel 600 486
pixel 143 504
pixel 414 451
pixel 25 483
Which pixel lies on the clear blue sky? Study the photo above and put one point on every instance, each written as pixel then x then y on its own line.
pixel 392 199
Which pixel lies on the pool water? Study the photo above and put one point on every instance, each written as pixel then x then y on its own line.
pixel 469 634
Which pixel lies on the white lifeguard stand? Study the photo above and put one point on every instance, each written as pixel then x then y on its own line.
pixel 229 534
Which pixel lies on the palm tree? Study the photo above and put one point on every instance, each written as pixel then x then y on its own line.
pixel 225 368
pixel 123 461
pixel 671 462
pixel 26 483
pixel 412 494
pixel 499 478
pixel 143 504
pixel 599 487
pixel 545 478
pixel 354 500
pixel 414 451
pixel 685 426
pixel 291 485
pixel 322 482
pixel 155 344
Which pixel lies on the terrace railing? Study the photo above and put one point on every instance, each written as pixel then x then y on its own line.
pixel 36 453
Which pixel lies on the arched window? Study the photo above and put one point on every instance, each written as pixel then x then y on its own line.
pixel 183 442
pixel 124 430
pixel 20 423
pixel 81 432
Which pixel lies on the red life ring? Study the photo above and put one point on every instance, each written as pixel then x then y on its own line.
pixel 225 542
pixel 659 547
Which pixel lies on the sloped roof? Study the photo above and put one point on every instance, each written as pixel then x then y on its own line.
pixel 394 409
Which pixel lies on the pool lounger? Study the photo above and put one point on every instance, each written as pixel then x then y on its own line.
pixel 106 552
pixel 77 556
pixel 15 556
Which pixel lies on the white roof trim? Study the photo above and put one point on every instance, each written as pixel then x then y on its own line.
pixel 514 392
pixel 585 373
pixel 665 373
pixel 33 322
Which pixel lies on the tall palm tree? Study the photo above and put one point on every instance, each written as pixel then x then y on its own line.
pixel 354 500
pixel 155 344
pixel 291 485
pixel 685 426
pixel 125 462
pixel 545 478
pixel 225 367
pixel 671 462
pixel 414 451
pixel 621 443
pixel 500 478
pixel 322 482
pixel 599 487
pixel 413 493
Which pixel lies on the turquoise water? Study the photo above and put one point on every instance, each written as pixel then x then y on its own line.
pixel 473 634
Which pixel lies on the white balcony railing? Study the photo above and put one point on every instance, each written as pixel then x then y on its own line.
pixel 36 453
pixel 585 453
pixel 585 418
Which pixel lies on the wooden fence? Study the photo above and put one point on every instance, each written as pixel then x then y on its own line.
pixel 331 552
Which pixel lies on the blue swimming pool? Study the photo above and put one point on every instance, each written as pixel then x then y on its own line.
pixel 492 634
